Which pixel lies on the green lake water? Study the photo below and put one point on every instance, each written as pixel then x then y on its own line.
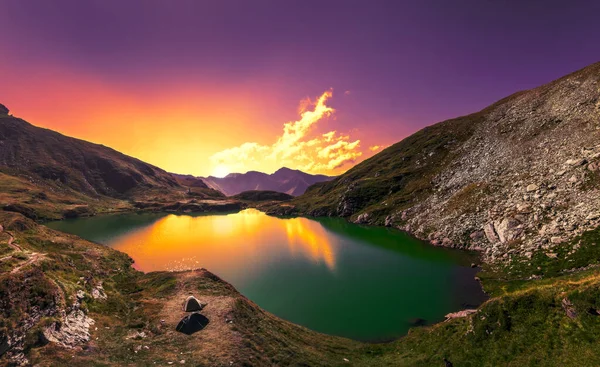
pixel 331 276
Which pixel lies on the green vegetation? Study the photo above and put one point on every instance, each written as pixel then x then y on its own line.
pixel 572 257
pixel 545 322
pixel 258 195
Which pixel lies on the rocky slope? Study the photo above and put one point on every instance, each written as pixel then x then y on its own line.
pixel 517 177
pixel 285 180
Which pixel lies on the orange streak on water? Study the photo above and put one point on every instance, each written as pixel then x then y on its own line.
pixel 225 242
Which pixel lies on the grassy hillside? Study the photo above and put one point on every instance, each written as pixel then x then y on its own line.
pixel 49 278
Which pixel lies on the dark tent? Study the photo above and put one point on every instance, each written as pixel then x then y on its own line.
pixel 192 323
pixel 191 304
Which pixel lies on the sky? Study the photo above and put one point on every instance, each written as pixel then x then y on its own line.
pixel 212 87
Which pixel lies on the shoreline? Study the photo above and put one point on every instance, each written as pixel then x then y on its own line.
pixel 470 253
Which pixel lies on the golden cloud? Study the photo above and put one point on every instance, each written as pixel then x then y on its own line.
pixel 375 148
pixel 296 147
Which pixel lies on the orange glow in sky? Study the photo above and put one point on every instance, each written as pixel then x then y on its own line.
pixel 207 130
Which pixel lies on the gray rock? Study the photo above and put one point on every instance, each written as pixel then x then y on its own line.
pixel 362 218
pixel 490 233
pixel 72 331
pixel 509 229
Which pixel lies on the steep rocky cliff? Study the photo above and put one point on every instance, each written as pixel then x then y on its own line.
pixel 519 176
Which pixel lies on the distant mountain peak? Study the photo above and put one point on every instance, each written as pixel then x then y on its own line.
pixel 286 169
pixel 3 109
pixel 286 180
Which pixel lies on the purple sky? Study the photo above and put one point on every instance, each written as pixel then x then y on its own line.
pixel 406 64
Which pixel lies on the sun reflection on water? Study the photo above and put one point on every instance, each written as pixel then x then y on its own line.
pixel 248 239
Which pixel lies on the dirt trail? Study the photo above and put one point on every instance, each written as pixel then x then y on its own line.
pixel 32 257
pixel 11 239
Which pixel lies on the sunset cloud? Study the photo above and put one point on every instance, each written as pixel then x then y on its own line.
pixel 297 147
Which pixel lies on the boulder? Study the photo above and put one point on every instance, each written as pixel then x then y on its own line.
pixel 72 331
pixel 362 218
pixel 490 233
pixel 509 229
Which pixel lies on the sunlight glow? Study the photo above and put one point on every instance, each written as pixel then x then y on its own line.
pixel 225 242
pixel 220 171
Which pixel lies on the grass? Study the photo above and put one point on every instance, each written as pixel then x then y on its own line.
pixel 573 256
pixel 523 324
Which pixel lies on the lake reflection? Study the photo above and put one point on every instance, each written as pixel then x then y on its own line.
pixel 225 242
pixel 329 275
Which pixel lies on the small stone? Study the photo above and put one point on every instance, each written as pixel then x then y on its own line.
pixel 592 216
pixel 182 361
pixel 556 240
pixel 477 235
pixel 523 208
pixel 532 187
pixel 573 179
pixel 576 162
pixel 551 255
pixel 569 309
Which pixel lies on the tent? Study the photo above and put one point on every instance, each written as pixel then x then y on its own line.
pixel 191 304
pixel 192 323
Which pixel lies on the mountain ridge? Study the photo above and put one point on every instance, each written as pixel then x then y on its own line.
pixel 47 175
pixel 286 180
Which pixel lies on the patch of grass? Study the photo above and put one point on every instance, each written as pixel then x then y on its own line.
pixel 469 198
pixel 581 252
